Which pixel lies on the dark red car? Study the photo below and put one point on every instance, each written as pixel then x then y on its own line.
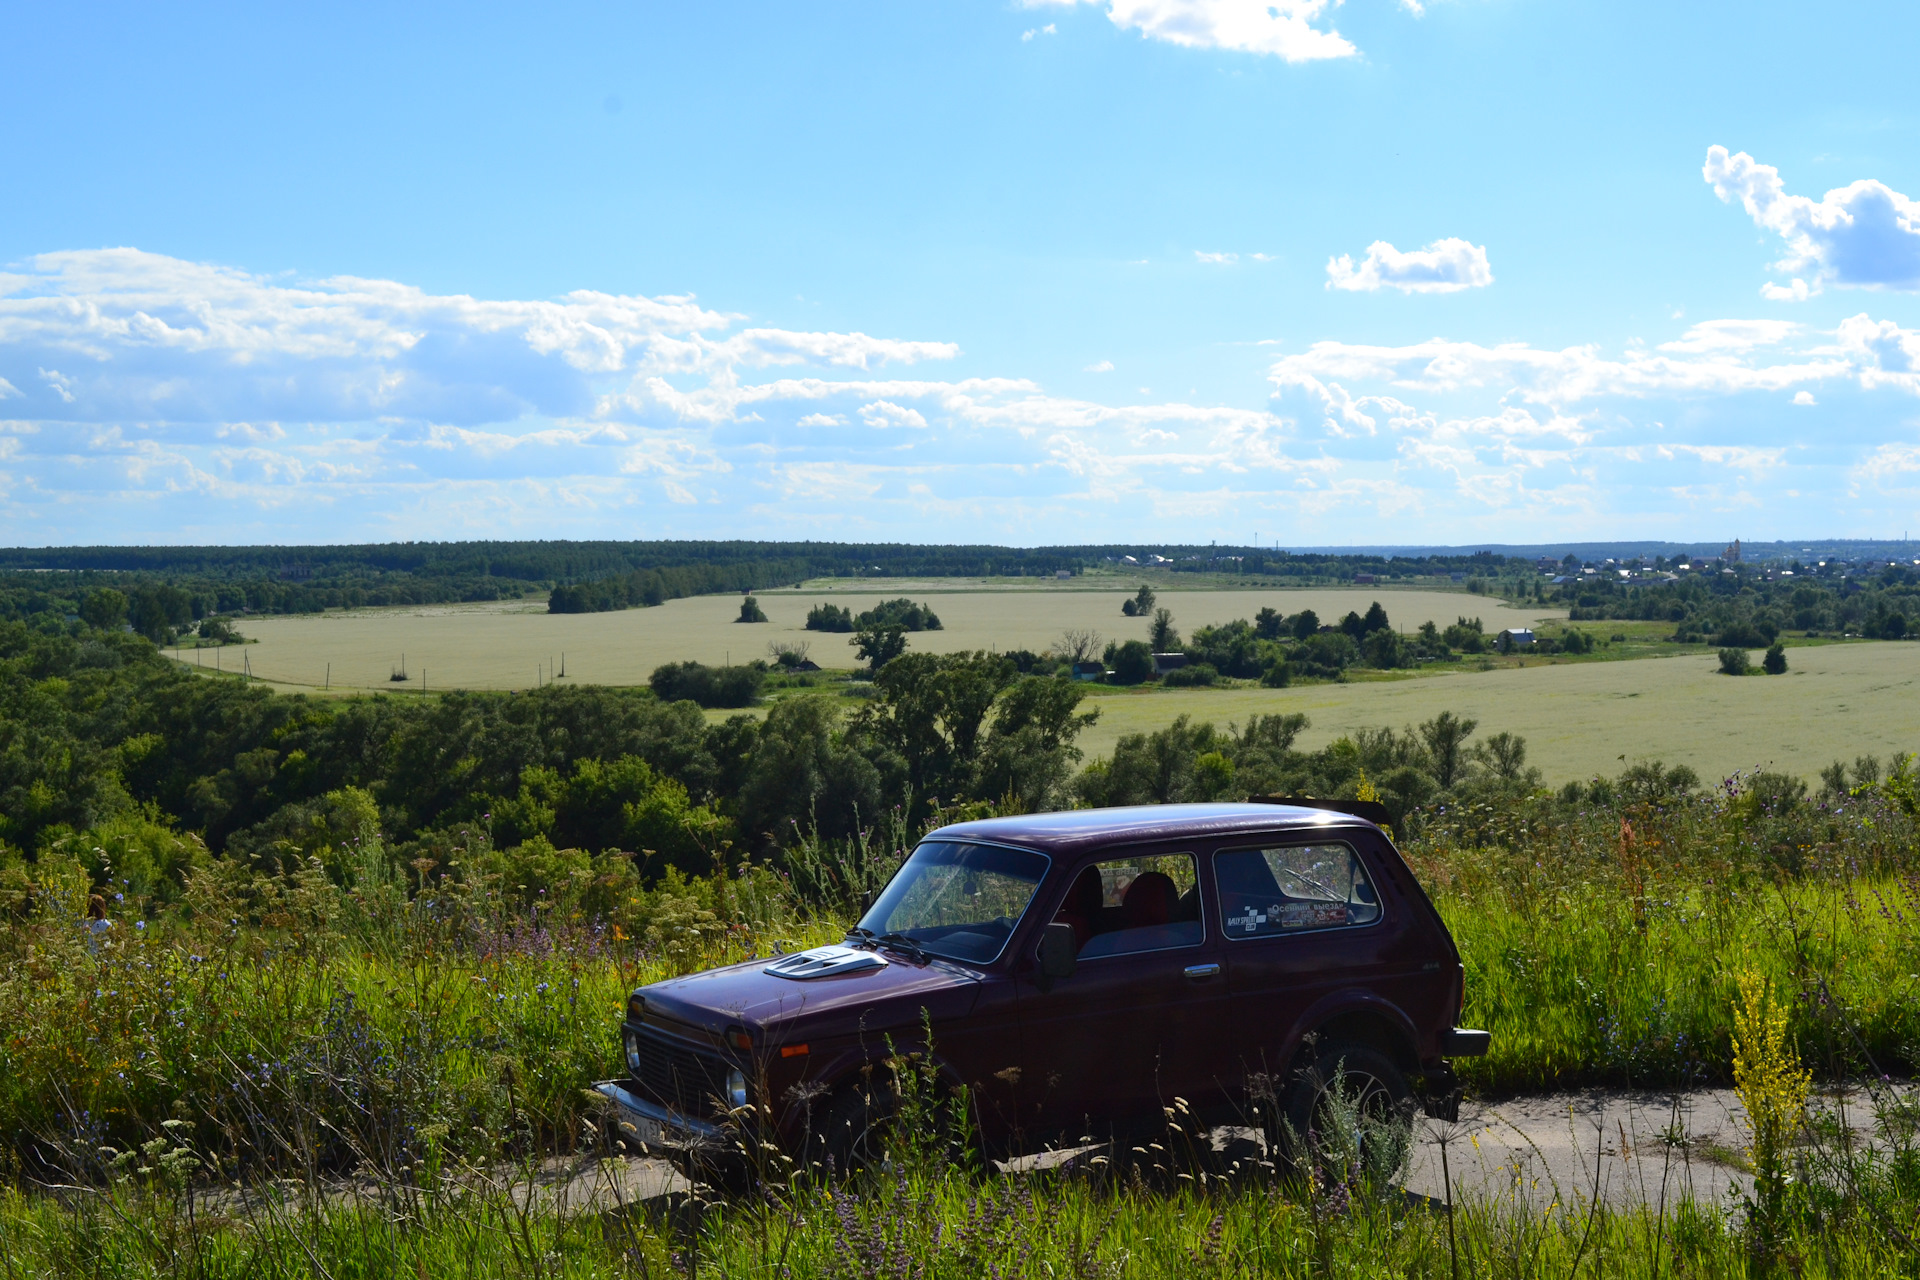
pixel 1079 971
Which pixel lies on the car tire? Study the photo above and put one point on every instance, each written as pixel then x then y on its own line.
pixel 852 1134
pixel 1380 1085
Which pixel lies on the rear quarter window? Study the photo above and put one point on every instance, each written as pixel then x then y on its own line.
pixel 1287 889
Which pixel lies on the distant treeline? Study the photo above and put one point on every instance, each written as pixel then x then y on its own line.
pixel 585 577
pixel 1744 607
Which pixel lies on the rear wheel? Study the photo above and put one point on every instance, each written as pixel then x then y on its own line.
pixel 1340 1113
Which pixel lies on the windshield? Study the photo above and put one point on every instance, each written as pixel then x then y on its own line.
pixel 958 900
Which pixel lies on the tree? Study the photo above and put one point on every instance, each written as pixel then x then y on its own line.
pixel 880 645
pixel 1162 636
pixel 1734 662
pixel 1376 619
pixel 805 776
pixel 750 611
pixel 1077 645
pixel 708 686
pixel 1385 650
pixel 1443 737
pixel 1305 623
pixel 1143 601
pixel 1775 663
pixel 1266 623
pixel 829 617
pixel 1129 663
pixel 1504 755
pixel 104 609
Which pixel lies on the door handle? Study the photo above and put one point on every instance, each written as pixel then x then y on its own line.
pixel 1201 972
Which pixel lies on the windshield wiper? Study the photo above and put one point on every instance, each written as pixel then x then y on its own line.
pixel 867 936
pixel 901 942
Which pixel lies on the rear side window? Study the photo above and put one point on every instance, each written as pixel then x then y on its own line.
pixel 1293 889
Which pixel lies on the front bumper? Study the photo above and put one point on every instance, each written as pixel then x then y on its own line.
pixel 646 1121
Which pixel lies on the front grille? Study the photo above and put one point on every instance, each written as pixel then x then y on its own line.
pixel 676 1076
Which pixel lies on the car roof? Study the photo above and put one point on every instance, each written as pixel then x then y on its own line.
pixel 1074 830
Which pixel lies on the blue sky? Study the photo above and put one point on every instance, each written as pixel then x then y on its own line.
pixel 1373 272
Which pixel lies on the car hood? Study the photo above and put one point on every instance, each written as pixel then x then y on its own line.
pixel 876 999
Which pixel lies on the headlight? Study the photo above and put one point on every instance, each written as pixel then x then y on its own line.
pixel 736 1090
pixel 633 1053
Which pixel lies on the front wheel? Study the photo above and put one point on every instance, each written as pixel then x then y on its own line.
pixel 852 1134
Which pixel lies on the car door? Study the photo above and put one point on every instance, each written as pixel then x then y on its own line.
pixel 1301 920
pixel 1123 1035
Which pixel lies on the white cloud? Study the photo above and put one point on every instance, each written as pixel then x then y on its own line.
pixel 1048 30
pixel 7 389
pixel 882 414
pixel 1445 266
pixel 61 384
pixel 1804 398
pixel 1732 335
pixel 245 408
pixel 1864 235
pixel 1199 256
pixel 1281 28
pixel 1099 366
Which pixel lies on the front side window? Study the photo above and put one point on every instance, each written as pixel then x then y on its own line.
pixel 1293 889
pixel 958 900
pixel 1123 905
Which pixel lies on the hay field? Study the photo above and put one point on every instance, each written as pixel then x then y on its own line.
pixel 1579 719
pixel 507 645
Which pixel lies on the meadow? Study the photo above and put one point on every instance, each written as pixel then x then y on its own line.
pixel 513 644
pixel 1633 700
pixel 1584 717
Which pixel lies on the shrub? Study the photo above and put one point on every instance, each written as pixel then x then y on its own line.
pixel 1733 662
pixel 1277 676
pixel 902 613
pixel 1194 673
pixel 220 631
pixel 829 617
pixel 708 686
pixel 1775 663
pixel 750 611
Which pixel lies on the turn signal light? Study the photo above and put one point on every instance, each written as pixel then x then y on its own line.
pixel 636 1008
pixel 793 1050
pixel 738 1038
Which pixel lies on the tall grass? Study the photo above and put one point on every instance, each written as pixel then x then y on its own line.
pixel 371 1074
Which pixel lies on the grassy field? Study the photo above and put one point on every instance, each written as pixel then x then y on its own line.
pixel 508 645
pixel 1580 718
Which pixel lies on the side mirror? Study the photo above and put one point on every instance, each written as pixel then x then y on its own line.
pixel 1058 950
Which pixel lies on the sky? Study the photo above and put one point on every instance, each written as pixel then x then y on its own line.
pixel 1294 273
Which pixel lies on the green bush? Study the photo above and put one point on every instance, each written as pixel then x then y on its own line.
pixel 750 611
pixel 829 617
pixel 1775 662
pixel 1129 663
pixel 1734 662
pixel 708 686
pixel 1192 675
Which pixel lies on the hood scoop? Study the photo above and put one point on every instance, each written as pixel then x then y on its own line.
pixel 825 962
